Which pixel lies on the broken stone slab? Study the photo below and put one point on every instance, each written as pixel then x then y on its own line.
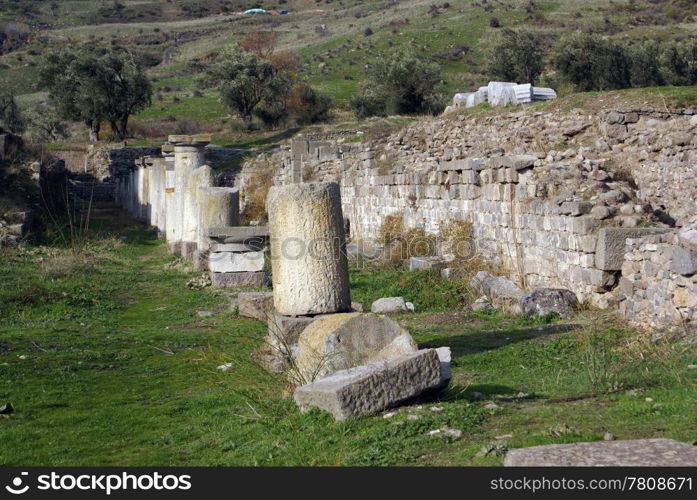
pixel 630 453
pixel 232 262
pixel 336 342
pixel 239 234
pixel 543 301
pixel 495 287
pixel 500 93
pixel 522 93
pixel 368 389
pixel 255 305
pixel 611 245
pixel 429 262
pixel 389 305
pixel 543 94
pixel 239 280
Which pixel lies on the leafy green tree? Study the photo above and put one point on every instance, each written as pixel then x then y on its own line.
pixel 645 67
pixel 11 118
pixel 591 62
pixel 245 81
pixel 93 86
pixel 404 84
pixel 44 124
pixel 516 56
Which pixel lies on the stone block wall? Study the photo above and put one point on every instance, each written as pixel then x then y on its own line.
pixel 548 194
pixel 659 280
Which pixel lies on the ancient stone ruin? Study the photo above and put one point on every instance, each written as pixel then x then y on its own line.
pixel 174 193
pixel 538 191
pixel 600 205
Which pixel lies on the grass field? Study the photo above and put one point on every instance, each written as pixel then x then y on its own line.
pixel 107 362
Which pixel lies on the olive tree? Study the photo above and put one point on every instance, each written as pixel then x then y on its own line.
pixel 516 56
pixel 96 85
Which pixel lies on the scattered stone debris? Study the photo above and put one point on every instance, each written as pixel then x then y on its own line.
pixel 446 431
pixel 561 430
pixel 199 282
pixel 608 436
pixel 226 367
pixel 7 409
pixel 481 304
pixel 495 448
pixel 205 314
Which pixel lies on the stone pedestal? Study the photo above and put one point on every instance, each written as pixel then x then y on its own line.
pixel 308 249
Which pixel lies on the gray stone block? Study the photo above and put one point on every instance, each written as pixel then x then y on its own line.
pixel 495 287
pixel 429 262
pixel 368 389
pixel 389 305
pixel 632 453
pixel 684 261
pixel 255 305
pixel 610 247
pixel 239 280
pixel 543 301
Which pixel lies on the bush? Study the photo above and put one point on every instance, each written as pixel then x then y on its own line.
pixel 678 62
pixel 591 62
pixel 307 106
pixel 403 85
pixel 645 67
pixel 516 56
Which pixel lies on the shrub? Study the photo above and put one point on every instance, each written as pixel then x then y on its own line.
pixel 679 62
pixel 591 62
pixel 645 67
pixel 307 106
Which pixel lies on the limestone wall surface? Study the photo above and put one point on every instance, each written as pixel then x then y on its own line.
pixel 537 187
pixel 659 279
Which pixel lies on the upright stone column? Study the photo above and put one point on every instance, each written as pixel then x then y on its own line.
pixel 217 207
pixel 198 178
pixel 188 156
pixel 168 154
pixel 308 257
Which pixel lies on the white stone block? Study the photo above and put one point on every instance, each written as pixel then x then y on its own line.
pixel 233 262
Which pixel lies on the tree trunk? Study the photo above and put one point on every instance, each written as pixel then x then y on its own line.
pixel 124 127
pixel 93 128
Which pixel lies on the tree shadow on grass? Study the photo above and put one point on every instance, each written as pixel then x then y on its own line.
pixel 482 341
